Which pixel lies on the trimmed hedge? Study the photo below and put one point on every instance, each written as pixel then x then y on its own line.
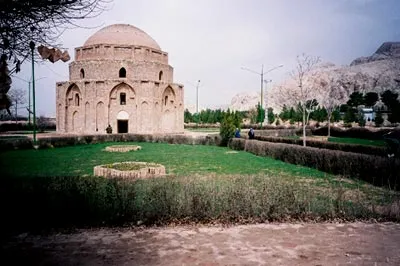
pixel 371 150
pixel 376 170
pixel 65 140
pixel 288 132
pixel 357 132
pixel 36 203
pixel 4 127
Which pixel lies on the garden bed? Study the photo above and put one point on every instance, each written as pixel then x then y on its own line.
pixel 122 148
pixel 130 170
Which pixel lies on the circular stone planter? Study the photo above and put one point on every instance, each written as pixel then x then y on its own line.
pixel 123 148
pixel 130 170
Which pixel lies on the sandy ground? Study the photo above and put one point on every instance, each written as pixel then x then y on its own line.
pixel 263 244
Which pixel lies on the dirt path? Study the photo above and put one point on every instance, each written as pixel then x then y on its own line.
pixel 264 244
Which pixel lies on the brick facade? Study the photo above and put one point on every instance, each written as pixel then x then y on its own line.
pixel 127 86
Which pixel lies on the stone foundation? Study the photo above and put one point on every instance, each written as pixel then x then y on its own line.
pixel 146 170
pixel 122 148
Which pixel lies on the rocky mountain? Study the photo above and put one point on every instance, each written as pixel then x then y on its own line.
pixel 245 101
pixel 388 50
pixel 377 73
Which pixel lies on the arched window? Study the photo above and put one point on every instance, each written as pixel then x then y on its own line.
pixel 82 73
pixel 122 72
pixel 166 100
pixel 160 75
pixel 122 98
pixel 76 99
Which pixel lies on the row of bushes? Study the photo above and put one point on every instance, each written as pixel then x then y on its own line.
pixel 4 127
pixel 376 170
pixel 365 149
pixel 68 140
pixel 43 202
pixel 288 132
pixel 244 126
pixel 359 132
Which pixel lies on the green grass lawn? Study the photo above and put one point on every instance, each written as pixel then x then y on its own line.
pixel 205 183
pixel 357 141
pixel 179 160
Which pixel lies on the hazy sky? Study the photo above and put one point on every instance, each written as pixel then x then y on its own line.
pixel 211 40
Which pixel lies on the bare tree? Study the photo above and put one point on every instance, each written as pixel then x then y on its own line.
pixel 17 97
pixel 40 22
pixel 304 76
pixel 333 94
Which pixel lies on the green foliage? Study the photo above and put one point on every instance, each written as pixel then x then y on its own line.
pixel 371 147
pixel 343 108
pixel 361 120
pixel 378 119
pixel 389 98
pixel 370 98
pixel 64 202
pixel 394 116
pixel 187 116
pixel 335 116
pixel 260 113
pixel 228 126
pixel 357 141
pixel 373 169
pixel 349 116
pixel 356 99
pixel 319 114
pixel 271 116
pixel 285 114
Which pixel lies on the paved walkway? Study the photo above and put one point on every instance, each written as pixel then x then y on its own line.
pixel 264 244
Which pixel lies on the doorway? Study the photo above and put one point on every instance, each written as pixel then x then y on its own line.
pixel 122 126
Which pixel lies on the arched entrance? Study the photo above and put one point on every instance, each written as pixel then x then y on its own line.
pixel 122 122
pixel 75 121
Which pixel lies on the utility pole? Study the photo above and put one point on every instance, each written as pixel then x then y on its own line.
pixel 32 46
pixel 29 103
pixel 197 97
pixel 266 105
pixel 262 73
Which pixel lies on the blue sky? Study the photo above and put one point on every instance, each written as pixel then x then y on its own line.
pixel 211 40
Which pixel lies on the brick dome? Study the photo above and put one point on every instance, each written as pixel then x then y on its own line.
pixel 122 34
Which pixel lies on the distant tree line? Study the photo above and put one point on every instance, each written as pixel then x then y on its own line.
pixel 389 99
pixel 209 116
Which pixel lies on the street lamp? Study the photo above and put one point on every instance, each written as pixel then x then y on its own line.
pixel 32 46
pixel 197 96
pixel 266 104
pixel 262 73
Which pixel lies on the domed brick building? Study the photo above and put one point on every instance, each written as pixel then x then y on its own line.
pixel 120 77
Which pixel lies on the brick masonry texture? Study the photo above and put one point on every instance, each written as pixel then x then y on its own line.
pixel 129 87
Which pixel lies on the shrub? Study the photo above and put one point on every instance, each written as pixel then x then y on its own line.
pixel 227 128
pixel 361 133
pixel 45 203
pixel 373 169
pixel 378 119
pixel 61 141
pixel 371 150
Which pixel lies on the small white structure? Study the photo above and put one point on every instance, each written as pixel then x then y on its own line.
pixel 368 113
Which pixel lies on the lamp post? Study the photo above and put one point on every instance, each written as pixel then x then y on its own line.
pixel 266 104
pixel 32 46
pixel 197 96
pixel 262 73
